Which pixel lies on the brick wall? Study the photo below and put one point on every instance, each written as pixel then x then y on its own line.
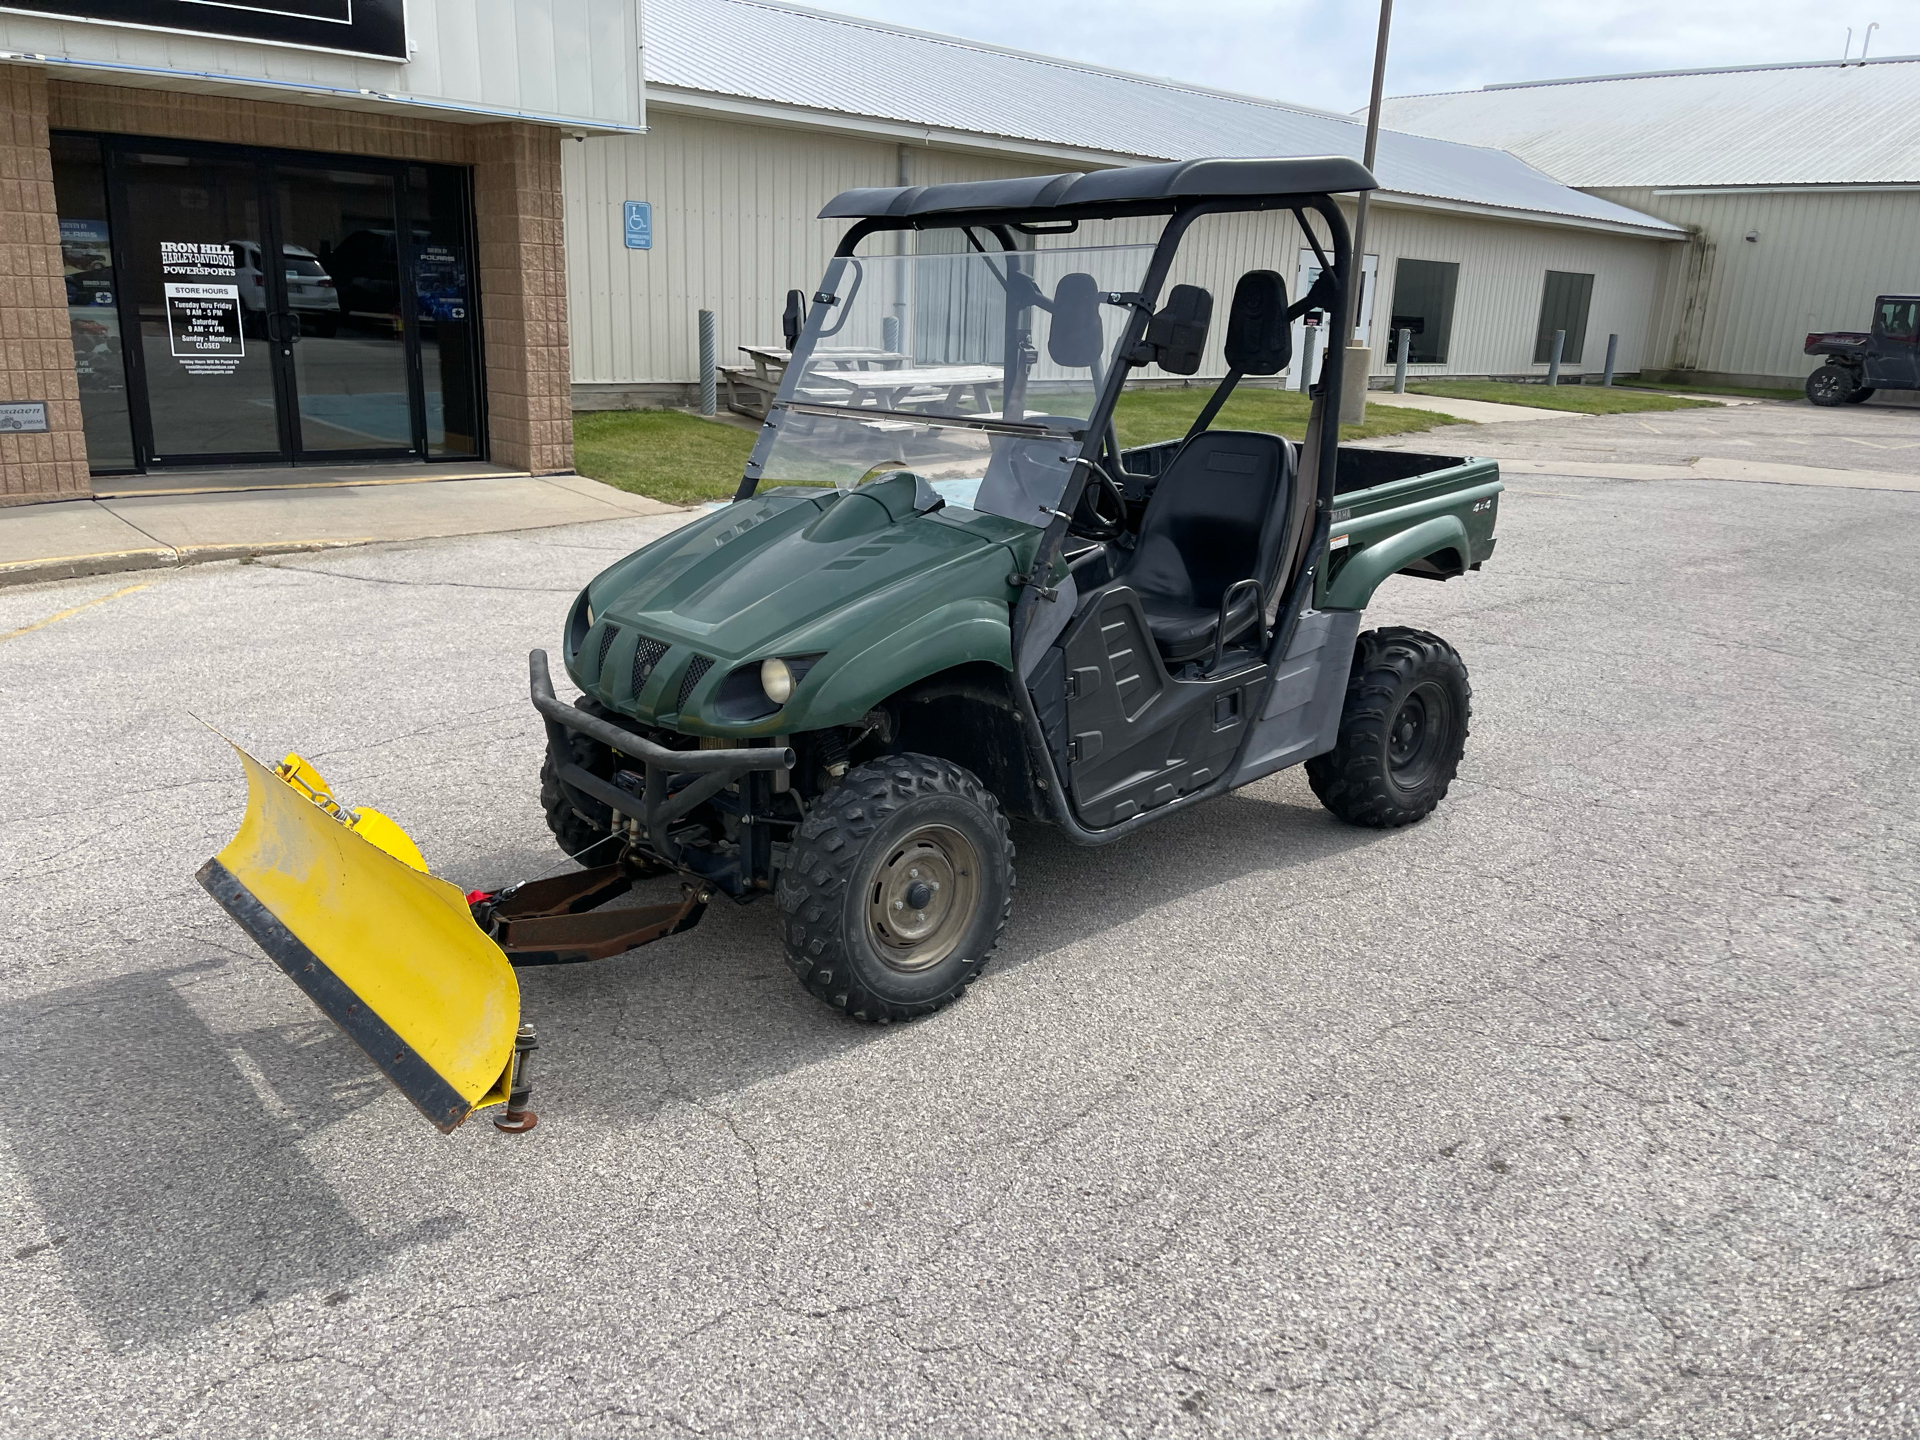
pixel 36 348
pixel 523 296
pixel 123 110
pixel 521 260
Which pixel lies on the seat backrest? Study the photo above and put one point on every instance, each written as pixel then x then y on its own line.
pixel 1217 516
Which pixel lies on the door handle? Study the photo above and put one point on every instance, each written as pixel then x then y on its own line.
pixel 274 335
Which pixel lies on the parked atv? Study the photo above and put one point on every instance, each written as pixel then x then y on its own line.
pixel 945 597
pixel 1859 363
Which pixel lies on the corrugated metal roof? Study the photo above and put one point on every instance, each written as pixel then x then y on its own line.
pixel 1820 124
pixel 786 55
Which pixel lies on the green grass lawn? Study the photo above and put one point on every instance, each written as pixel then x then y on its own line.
pixel 662 454
pixel 1587 399
pixel 1756 392
pixel 681 459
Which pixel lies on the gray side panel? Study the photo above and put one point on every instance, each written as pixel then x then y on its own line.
pixel 1302 714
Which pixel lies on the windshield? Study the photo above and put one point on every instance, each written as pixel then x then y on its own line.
pixel 976 371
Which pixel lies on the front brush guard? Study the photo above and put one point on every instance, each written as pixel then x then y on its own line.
pixel 659 805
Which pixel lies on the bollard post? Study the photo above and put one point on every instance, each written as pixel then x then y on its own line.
pixel 1400 362
pixel 1613 349
pixel 709 360
pixel 890 334
pixel 1553 365
pixel 1306 360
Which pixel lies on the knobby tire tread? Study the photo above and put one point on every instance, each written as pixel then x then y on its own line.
pixel 812 887
pixel 1351 780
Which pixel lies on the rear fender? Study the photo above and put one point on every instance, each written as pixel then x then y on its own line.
pixel 1353 587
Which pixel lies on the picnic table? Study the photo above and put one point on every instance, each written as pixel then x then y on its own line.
pixel 892 389
pixel 751 388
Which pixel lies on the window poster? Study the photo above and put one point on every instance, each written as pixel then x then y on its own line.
pixel 203 312
pixel 86 258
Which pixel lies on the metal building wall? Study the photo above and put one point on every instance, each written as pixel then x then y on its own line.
pixel 1740 310
pixel 733 231
pixel 1503 270
pixel 1503 275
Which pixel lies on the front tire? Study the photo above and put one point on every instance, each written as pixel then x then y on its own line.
pixel 580 834
pixel 1402 730
pixel 898 887
pixel 576 834
pixel 1832 384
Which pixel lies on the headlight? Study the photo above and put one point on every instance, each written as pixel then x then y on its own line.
pixel 589 614
pixel 776 678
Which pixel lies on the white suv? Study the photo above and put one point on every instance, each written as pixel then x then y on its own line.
pixel 310 290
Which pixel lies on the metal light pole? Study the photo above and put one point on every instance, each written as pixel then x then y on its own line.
pixel 1353 404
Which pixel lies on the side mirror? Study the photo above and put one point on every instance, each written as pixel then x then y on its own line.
pixel 1074 339
pixel 1177 335
pixel 1259 339
pixel 794 318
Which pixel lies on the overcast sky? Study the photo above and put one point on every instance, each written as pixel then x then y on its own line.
pixel 1320 52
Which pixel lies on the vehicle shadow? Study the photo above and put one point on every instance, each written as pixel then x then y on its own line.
pixel 703 1015
pixel 143 1136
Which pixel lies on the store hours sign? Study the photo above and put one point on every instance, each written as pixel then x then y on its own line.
pixel 360 27
pixel 203 307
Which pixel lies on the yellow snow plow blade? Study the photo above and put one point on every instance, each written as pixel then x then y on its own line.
pixel 342 902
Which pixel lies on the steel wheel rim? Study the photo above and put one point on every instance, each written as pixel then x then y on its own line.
pixel 1416 734
pixel 922 897
pixel 1827 384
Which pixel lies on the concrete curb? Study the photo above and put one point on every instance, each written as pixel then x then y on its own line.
pixel 159 557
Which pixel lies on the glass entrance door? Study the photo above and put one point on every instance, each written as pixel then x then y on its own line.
pixel 202 312
pixel 347 320
pixel 281 307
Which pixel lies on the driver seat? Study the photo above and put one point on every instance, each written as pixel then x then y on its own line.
pixel 1217 516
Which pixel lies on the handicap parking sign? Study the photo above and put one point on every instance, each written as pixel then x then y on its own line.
pixel 639 225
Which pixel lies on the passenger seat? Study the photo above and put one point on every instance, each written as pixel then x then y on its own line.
pixel 1218 516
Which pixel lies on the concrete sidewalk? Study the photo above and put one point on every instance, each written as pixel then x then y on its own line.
pixel 1481 412
pixel 1489 412
pixel 96 537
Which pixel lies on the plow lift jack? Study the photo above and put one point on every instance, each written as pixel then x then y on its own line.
pixel 418 974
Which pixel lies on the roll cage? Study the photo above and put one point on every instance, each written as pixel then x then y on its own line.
pixel 1183 191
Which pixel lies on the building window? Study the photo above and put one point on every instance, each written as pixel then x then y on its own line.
pixel 1563 306
pixel 1423 304
pixel 93 301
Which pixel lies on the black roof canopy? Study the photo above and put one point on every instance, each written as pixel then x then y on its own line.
pixel 1132 188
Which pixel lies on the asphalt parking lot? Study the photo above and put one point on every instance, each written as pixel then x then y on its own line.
pixel 1586 1106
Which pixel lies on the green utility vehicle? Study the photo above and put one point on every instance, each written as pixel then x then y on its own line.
pixel 945 596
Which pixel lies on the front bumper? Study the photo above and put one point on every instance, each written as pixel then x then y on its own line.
pixel 702 773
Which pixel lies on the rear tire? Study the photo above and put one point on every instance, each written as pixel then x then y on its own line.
pixel 898 887
pixel 1402 730
pixel 1860 396
pixel 1831 384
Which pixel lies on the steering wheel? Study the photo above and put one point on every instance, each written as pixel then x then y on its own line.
pixel 1098 526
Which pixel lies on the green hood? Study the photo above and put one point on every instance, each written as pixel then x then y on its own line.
pixel 861 579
